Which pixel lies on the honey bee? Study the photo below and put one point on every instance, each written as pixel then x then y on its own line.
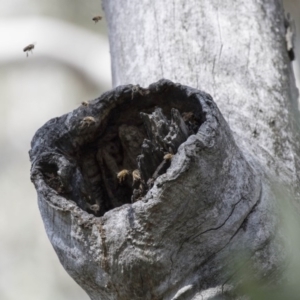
pixel 168 156
pixel 28 48
pixel 84 103
pixel 136 176
pixel 87 121
pixel 122 175
pixel 96 19
pixel 94 208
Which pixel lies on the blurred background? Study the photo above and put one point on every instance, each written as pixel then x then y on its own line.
pixel 69 64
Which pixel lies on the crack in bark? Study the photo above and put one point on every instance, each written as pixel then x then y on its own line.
pixel 241 226
pixel 103 243
pixel 171 269
pixel 218 227
pixel 220 34
pixel 220 50
pixel 158 41
pixel 248 54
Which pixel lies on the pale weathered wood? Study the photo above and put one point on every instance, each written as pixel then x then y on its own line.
pixel 233 50
pixel 217 196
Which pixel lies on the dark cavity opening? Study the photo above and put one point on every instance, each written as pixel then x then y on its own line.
pixel 51 177
pixel 134 145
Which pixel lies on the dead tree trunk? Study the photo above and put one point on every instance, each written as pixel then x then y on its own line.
pixel 146 193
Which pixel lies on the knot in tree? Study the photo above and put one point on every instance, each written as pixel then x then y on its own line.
pixel 145 195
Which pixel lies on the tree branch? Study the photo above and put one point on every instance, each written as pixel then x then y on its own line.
pixel 183 226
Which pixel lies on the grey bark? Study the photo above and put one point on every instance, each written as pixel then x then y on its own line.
pixel 233 50
pixel 175 234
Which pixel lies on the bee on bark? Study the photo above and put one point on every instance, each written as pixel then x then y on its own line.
pixel 96 19
pixel 28 48
pixel 122 175
pixel 95 208
pixel 168 156
pixel 136 176
pixel 87 122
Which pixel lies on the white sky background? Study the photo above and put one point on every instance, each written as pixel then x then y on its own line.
pixel 70 64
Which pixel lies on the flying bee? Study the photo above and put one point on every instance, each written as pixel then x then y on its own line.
pixel 168 156
pixel 28 48
pixel 136 176
pixel 87 121
pixel 96 19
pixel 122 175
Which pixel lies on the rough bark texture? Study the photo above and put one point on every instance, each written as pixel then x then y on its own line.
pixel 234 50
pixel 203 192
pixel 176 238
